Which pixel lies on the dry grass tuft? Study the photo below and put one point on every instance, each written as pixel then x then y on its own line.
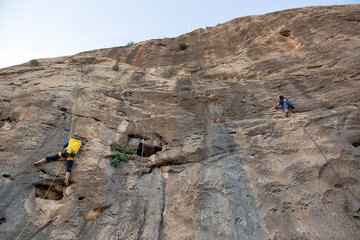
pixel 221 120
pixel 94 214
pixel 339 79
pixel 213 98
pixel 181 74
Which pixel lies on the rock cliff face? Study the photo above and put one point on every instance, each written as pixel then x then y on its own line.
pixel 219 161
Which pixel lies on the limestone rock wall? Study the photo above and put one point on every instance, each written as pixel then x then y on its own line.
pixel 219 161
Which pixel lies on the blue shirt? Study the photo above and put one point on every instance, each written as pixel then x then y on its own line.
pixel 281 101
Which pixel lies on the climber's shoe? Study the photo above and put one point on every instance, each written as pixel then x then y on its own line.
pixel 294 111
pixel 36 163
pixel 66 183
pixel 286 114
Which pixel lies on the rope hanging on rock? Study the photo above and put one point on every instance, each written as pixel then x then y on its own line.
pixel 84 116
pixel 326 163
pixel 38 208
pixel 61 166
pixel 143 141
pixel 73 110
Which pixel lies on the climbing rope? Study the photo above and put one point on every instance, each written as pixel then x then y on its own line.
pixel 71 130
pixel 84 115
pixel 38 208
pixel 143 141
pixel 326 163
pixel 80 106
pixel 317 146
pixel 73 109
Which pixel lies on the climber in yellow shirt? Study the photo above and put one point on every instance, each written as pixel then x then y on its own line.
pixel 72 147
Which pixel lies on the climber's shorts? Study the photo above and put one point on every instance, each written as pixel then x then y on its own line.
pixel 69 157
pixel 286 106
pixel 63 154
pixel 69 164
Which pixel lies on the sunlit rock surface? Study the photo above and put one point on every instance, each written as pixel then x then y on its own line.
pixel 219 161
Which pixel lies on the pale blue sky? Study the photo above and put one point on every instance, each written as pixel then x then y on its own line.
pixel 31 29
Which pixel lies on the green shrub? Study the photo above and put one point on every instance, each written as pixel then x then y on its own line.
pixel 118 148
pixel 288 71
pixel 121 154
pixel 130 43
pixel 183 46
pixel 129 151
pixel 34 63
pixel 115 67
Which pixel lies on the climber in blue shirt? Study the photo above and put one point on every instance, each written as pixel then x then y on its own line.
pixel 285 103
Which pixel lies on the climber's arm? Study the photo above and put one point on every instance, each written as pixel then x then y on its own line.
pixel 277 104
pixel 66 144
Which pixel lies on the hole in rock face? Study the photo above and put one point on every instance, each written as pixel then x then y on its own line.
pixel 285 33
pixel 9 120
pixel 55 192
pixel 81 198
pixel 133 136
pixel 148 145
pixel 8 176
pixel 2 220
pixel 148 150
pixel 356 144
pixel 7 124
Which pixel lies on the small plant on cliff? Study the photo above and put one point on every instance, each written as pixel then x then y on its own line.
pixel 115 67
pixel 34 63
pixel 130 43
pixel 121 154
pixel 288 71
pixel 183 46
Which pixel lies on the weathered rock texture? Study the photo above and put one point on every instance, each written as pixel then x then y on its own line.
pixel 220 162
